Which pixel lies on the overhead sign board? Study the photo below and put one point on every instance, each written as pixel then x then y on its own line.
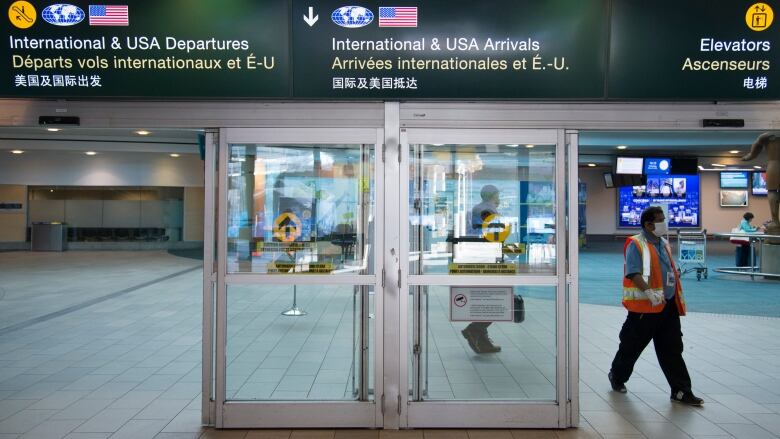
pixel 694 49
pixel 144 49
pixel 452 49
pixel 437 49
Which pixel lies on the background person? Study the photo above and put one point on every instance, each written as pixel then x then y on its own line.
pixel 743 250
pixel 652 294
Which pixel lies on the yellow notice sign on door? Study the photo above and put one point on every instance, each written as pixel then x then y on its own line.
pixel 287 227
pixel 494 230
pixel 482 268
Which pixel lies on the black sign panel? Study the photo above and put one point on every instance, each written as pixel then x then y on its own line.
pixel 552 49
pixel 436 49
pixel 147 49
pixel 693 49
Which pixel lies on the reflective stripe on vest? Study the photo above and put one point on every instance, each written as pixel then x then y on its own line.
pixel 636 300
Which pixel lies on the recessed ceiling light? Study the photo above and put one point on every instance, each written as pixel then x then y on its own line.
pixel 174 155
pixel 757 167
pixel 17 151
pixel 90 153
pixel 53 130
pixel 51 190
pixel 143 132
pixel 719 165
pixel 513 145
pixel 592 165
pixel 529 146
pixel 622 147
pixel 734 151
pixel 438 144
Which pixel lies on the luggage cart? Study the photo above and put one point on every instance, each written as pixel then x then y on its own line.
pixel 692 253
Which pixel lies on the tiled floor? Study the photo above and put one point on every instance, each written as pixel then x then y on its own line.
pixel 87 356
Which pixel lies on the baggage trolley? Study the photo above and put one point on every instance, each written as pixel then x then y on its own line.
pixel 692 253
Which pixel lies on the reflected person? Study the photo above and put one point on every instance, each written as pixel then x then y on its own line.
pixel 476 333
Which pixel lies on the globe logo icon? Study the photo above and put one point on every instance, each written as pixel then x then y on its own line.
pixel 352 16
pixel 63 14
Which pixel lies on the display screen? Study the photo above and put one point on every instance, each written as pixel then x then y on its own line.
pixel 679 192
pixel 759 183
pixel 657 166
pixel 734 180
pixel 629 165
pixel 733 198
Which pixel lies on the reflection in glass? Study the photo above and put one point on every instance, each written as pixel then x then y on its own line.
pixel 482 209
pixel 450 369
pixel 324 355
pixel 300 209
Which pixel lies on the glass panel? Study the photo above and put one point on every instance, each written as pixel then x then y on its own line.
pixel 451 369
pixel 300 209
pixel 313 356
pixel 482 209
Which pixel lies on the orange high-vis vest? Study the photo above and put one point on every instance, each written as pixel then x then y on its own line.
pixel 634 299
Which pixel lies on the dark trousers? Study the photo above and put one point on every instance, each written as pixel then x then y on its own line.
pixel 664 329
pixel 743 255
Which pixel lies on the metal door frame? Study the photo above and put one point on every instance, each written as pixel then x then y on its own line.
pixel 303 414
pixel 493 414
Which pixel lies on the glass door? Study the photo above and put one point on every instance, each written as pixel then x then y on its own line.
pixel 297 312
pixel 483 239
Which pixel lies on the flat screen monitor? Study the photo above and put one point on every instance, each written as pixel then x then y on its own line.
pixel 733 198
pixel 679 192
pixel 609 183
pixel 759 183
pixel 657 166
pixel 685 166
pixel 629 165
pixel 734 180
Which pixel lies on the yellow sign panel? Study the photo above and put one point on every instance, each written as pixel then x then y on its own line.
pixel 494 230
pixel 759 17
pixel 22 14
pixel 293 268
pixel 287 227
pixel 514 249
pixel 482 269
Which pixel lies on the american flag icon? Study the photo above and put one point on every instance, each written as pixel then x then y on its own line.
pixel 108 15
pixel 395 16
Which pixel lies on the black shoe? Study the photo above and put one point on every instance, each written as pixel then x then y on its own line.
pixel 687 398
pixel 617 387
pixel 471 337
pixel 480 342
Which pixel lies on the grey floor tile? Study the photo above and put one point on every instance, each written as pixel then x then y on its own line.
pixel 24 421
pixel 52 429
pixel 140 429
pixel 187 421
pixel 746 431
pixel 107 421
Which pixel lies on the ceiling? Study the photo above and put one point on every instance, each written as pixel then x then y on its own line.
pixel 99 139
pixel 598 147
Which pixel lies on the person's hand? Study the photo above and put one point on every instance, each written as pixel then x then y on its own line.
pixel 656 297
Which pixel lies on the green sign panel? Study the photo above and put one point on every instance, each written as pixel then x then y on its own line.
pixel 694 49
pixel 436 49
pixel 500 49
pixel 147 49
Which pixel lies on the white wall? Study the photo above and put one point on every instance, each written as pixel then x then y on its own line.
pixel 601 210
pixel 71 168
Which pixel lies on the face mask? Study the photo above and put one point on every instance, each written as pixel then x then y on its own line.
pixel 661 229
